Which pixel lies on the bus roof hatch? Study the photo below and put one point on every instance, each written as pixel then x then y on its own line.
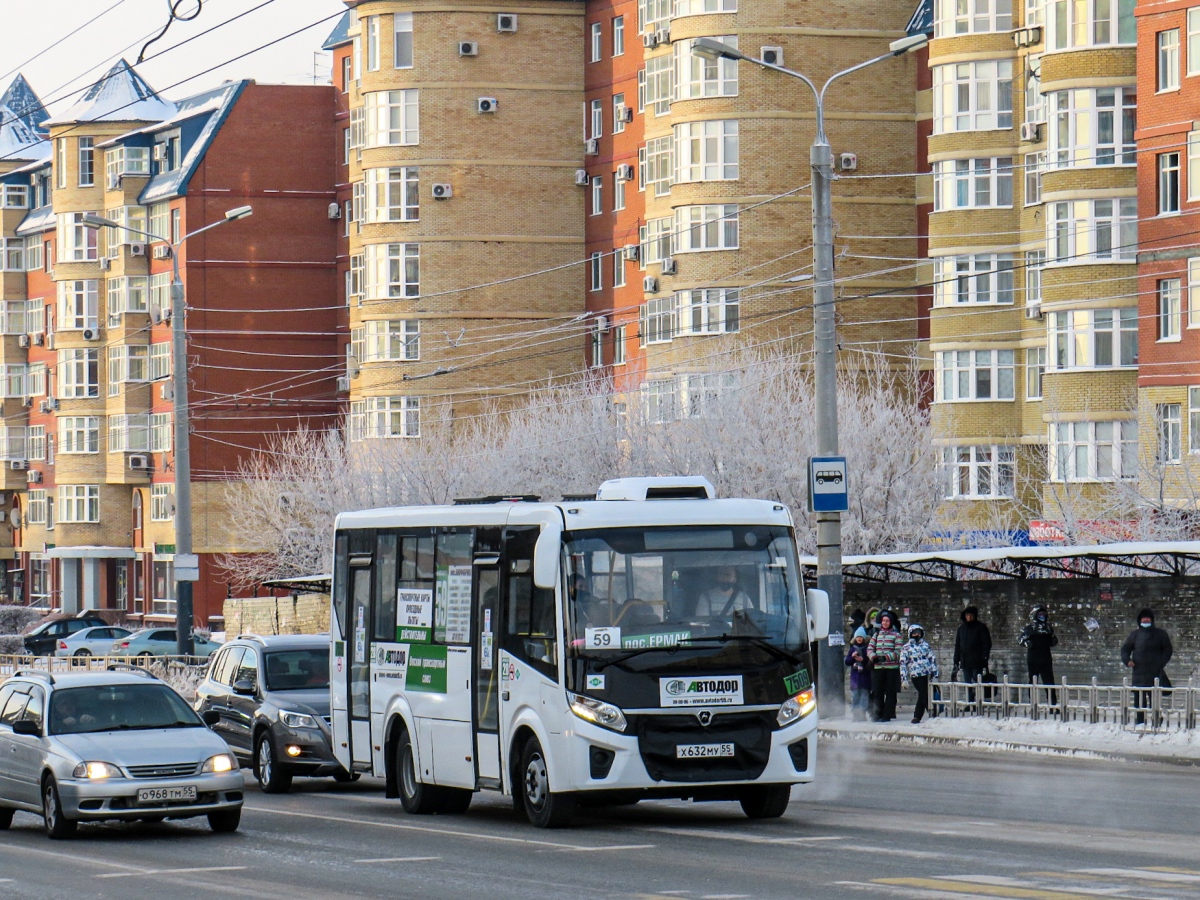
pixel 682 487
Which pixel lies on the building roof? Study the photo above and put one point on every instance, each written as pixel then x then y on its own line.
pixel 340 34
pixel 121 95
pixel 17 139
pixel 21 99
pixel 922 19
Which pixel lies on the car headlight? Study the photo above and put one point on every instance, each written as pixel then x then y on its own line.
pixel 796 707
pixel 96 770
pixel 297 720
pixel 222 762
pixel 597 712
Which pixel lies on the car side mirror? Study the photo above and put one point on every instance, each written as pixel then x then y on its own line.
pixel 244 687
pixel 27 726
pixel 211 717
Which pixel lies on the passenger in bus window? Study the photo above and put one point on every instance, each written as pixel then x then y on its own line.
pixel 591 609
pixel 724 597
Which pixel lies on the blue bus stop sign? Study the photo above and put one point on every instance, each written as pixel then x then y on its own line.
pixel 828 483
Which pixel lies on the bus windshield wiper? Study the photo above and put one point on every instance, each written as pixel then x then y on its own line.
pixel 754 639
pixel 631 654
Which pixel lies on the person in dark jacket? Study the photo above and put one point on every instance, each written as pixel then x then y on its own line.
pixel 1147 651
pixel 860 674
pixel 884 653
pixel 1037 638
pixel 972 645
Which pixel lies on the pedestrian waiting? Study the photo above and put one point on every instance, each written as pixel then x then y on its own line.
pixel 1147 651
pixel 884 653
pixel 860 675
pixel 1037 638
pixel 917 666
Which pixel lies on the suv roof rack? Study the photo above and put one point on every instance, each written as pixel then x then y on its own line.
pixel 35 673
pixel 131 668
pixel 576 498
pixel 497 498
pixel 249 636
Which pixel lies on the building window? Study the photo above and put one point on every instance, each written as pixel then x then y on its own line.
pixel 1168 60
pixel 36 511
pixel 162 502
pixel 60 162
pixel 657 324
pixel 392 118
pixel 127 364
pixel 708 311
pixel 128 433
pixel 660 84
pixel 372 27
pixel 975 375
pixel 982 278
pixel 659 167
pixel 1168 421
pixel 660 400
pixel 1194 292
pixel 597 195
pixel 706 228
pixel 701 7
pixel 402 40
pixel 385 417
pixel 12 254
pixel 1090 23
pixel 1035 368
pixel 619 345
pixel 653 15
pixel 1193 420
pixel 953 17
pixel 392 195
pixel 392 270
pixel 347 74
pixel 596 272
pixel 1168 183
pixel 618 259
pixel 618 104
pixel 618 36
pixel 706 151
pixel 36 440
pixel 14 196
pixel 160 432
pixel 596 356
pixel 641 92
pixel 597 42
pixel 973 183
pixel 87 162
pixel 1082 231
pixel 1034 261
pixel 77 305
pixel 972 96
pixel 1193 41
pixel 618 192
pixel 163 601
pixel 978 472
pixel 1170 313
pixel 1093 339
pixel 79 434
pixel 1035 101
pixel 596 119
pixel 656 245
pixel 76 242
pixel 79 503
pixel 1035 165
pixel 1092 127
pixel 1093 451
pixel 697 76
pixel 390 340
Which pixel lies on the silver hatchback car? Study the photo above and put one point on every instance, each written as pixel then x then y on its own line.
pixel 118 744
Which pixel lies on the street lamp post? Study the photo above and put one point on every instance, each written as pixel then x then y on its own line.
pixel 186 565
pixel 829 524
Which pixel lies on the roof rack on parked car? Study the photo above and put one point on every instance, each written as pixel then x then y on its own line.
pixel 38 673
pixel 131 668
pixel 248 636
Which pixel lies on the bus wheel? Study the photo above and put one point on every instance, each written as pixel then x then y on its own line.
pixel 543 807
pixel 416 798
pixel 766 801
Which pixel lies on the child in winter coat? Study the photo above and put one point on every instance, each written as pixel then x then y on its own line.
pixel 860 674
pixel 918 665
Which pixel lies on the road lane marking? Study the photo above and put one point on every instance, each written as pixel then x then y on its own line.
pixel 732 835
pixel 1146 875
pixel 612 847
pixel 187 871
pixel 396 859
pixel 970 888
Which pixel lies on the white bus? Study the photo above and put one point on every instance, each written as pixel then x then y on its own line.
pixel 651 642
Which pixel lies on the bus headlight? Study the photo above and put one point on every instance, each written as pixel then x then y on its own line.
pixel 797 707
pixel 597 712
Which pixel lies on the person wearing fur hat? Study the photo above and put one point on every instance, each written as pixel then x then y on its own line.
pixel 972 645
pixel 1146 651
pixel 917 666
pixel 860 674
pixel 884 653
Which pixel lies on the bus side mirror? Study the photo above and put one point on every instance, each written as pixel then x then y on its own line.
pixel 818 613
pixel 546 555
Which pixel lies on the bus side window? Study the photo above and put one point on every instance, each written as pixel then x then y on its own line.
pixel 341 575
pixel 384 618
pixel 530 628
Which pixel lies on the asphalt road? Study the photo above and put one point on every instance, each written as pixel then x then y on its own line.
pixel 884 822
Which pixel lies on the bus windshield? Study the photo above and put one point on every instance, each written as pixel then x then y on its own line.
pixel 635 588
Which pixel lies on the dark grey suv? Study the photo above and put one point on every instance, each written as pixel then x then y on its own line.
pixel 272 696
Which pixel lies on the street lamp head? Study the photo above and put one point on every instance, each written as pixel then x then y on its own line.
pixel 239 212
pixel 908 44
pixel 711 49
pixel 93 221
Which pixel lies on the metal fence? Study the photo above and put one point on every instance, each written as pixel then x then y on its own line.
pixel 183 673
pixel 1145 708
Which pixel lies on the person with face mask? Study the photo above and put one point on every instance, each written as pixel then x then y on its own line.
pixel 1037 638
pixel 884 653
pixel 917 666
pixel 1146 651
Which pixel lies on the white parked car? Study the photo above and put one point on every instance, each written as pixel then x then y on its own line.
pixel 94 641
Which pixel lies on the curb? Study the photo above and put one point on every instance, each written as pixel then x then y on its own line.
pixel 947 742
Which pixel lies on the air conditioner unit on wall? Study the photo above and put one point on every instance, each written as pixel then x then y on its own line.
pixel 167 391
pixel 487 104
pixel 468 48
pixel 442 192
pixel 625 173
pixel 162 251
pixel 335 211
pixel 591 147
pixel 772 55
pixel 506 23
pixel 23 340
pixel 581 177
pixel 663 35
pixel 137 249
pixel 39 339
pixel 1033 311
pixel 1031 132
pixel 669 266
pixel 847 162
pixel 650 284
pixel 105 263
pixel 650 41
pixel 18 464
pixel 33 476
pixel 91 334
pixel 624 113
pixel 633 252
pixel 139 462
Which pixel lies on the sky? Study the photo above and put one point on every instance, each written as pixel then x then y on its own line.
pixel 58 64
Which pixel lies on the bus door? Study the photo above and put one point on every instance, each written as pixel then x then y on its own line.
pixel 359 647
pixel 487 669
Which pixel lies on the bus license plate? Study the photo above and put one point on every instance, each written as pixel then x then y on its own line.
pixel 702 751
pixel 166 795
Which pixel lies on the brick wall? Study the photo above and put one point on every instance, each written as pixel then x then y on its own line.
pixel 296 614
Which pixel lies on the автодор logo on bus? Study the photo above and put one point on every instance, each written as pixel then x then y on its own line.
pixel 721 690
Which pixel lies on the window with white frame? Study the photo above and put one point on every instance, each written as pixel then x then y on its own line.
pixel 160 292
pixel 597 195
pixel 160 361
pixel 160 219
pixel 127 293
pixel 641 90
pixel 385 417
pixel 356 279
pixel 710 227
pixel 596 42
pixel 12 254
pixel 1092 127
pixel 356 56
pixel 391 340
pixel 1168 423
pixel 1193 302
pixel 77 305
pixel 36 511
pixel 36 441
pixel 979 278
pixel 1093 451
pixel 657 325
pixel 1089 23
pixel 596 354
pixel 703 7
pixel 618 193
pixel 618 108
pixel 14 196
pixel 87 161
pixel 1035 165
pixel 964 375
pixel 973 183
pixel 162 502
pixel 618 357
pixel 980 471
pixel 657 244
pixel 660 400
pixel 1193 420
pixel 122 161
pixel 79 503
pixel 76 242
pixel 16 377
pixel 596 119
pixel 708 311
pixel 1168 60
pixel 618 260
pixel 698 76
pixel 1168 183
pixel 392 270
pixel 392 194
pixel 129 433
pixel 79 434
pixel 127 364
pixel 160 432
pixel 653 15
pixel 596 272
pixel 371 26
pixel 358 129
pixel 78 373
pixel 1035 100
pixel 660 84
pixel 1170 309
pixel 706 151
pixel 1093 338
pixel 953 17
pixel 699 392
pixel 392 118
pixel 1035 369
pixel 972 96
pixel 659 168
pixel 13 443
pixel 358 203
pixel 1083 231
pixel 402 40
pixel 33 253
pixel 16 317
pixel 1035 261
pixel 129 217
pixel 618 36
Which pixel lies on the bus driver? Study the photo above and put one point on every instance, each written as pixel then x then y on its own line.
pixel 724 598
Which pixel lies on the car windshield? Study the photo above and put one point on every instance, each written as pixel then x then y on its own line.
pixel 635 588
pixel 118 707
pixel 292 670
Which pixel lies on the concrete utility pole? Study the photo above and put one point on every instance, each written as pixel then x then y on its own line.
pixel 187 570
pixel 832 677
